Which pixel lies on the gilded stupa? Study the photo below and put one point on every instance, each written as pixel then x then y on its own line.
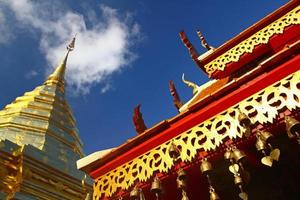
pixel 39 144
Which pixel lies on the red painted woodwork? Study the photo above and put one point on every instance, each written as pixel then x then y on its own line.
pixel 209 111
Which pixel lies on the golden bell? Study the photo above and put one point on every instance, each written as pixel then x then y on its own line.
pixel 238 155
pixel 156 187
pixel 173 151
pixel 238 180
pixel 181 183
pixel 181 174
pixel 292 126
pixel 243 195
pixel 135 193
pixel 213 195
pixel 205 166
pixel 228 154
pixel 260 144
pixel 244 120
pixel 265 135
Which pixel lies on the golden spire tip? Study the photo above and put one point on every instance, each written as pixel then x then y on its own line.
pixel 71 45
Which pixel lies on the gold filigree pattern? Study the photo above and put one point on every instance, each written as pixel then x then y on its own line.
pixel 11 168
pixel 261 107
pixel 247 46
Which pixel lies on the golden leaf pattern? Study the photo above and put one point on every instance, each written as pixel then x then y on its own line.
pixel 261 107
pixel 246 46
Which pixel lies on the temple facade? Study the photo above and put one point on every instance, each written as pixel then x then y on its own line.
pixel 238 136
pixel 39 145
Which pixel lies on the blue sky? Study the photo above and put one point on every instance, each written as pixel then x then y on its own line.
pixel 126 53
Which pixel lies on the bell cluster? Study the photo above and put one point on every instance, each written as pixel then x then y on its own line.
pixel 233 156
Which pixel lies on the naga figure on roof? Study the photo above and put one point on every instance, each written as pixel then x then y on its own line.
pixel 176 99
pixel 138 120
pixel 195 87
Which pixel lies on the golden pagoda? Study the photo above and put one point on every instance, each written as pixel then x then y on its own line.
pixel 39 144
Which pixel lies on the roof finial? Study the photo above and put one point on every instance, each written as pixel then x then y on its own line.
pixel 176 99
pixel 71 45
pixel 195 87
pixel 203 41
pixel 138 120
pixel 57 77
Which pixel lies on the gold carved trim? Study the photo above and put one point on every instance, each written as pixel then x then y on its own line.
pixel 11 168
pixel 247 46
pixel 261 107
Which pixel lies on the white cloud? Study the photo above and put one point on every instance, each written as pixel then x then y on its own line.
pixel 5 35
pixel 106 87
pixel 100 50
pixel 31 74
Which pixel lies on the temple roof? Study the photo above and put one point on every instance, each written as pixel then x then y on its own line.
pixel 258 39
pixel 211 92
pixel 43 118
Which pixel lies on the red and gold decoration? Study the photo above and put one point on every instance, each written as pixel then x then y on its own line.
pixel 241 128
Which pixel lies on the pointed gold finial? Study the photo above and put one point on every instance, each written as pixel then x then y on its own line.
pixel 71 45
pixel 57 77
pixel 195 87
pixel 203 41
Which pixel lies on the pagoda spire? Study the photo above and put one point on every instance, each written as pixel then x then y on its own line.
pixel 43 117
pixel 57 77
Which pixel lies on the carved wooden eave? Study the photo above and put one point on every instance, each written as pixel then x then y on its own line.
pixel 264 37
pixel 265 106
pixel 265 93
pixel 207 119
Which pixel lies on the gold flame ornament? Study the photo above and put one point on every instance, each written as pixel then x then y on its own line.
pixel 292 128
pixel 263 144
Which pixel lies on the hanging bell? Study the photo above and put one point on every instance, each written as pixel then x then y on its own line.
pixel 174 151
pixel 181 184
pixel 181 174
pixel 292 127
pixel 184 195
pixel 245 122
pixel 205 166
pixel 156 186
pixel 213 195
pixel 238 155
pixel 238 179
pixel 265 135
pixel 243 195
pixel 228 154
pixel 181 178
pixel 243 119
pixel 135 193
pixel 260 144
